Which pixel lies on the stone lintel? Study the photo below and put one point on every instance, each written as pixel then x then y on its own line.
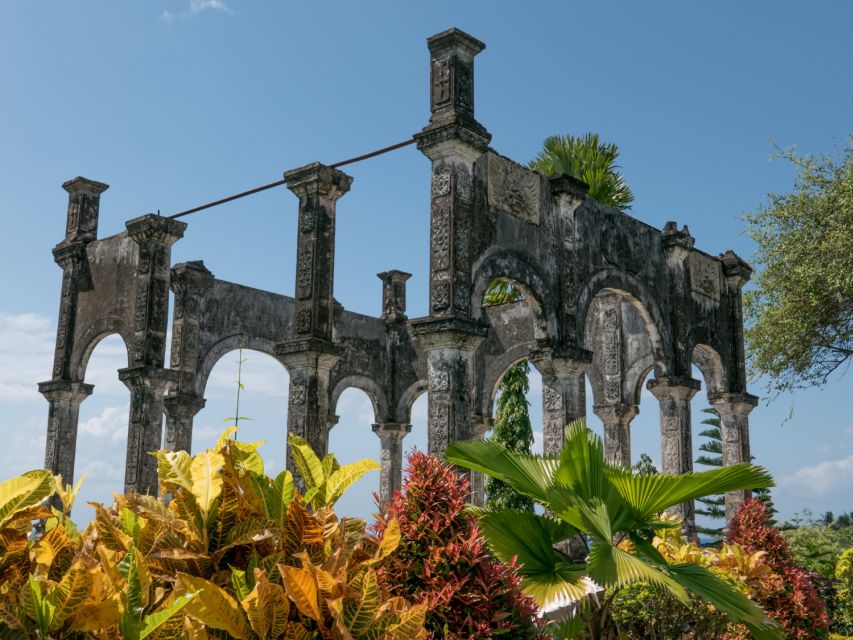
pixel 736 269
pixel 392 430
pixel 568 358
pixel 666 388
pixel 451 332
pixel 153 228
pixel 317 179
pixel 157 378
pixel 455 40
pixel 185 405
pixel 65 390
pixel 84 185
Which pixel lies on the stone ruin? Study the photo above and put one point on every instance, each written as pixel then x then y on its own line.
pixel 605 296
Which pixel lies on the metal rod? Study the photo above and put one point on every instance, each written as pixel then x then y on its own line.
pixel 278 183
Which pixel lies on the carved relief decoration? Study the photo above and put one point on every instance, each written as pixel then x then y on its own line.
pixel 305 271
pixel 513 189
pixel 612 345
pixel 705 276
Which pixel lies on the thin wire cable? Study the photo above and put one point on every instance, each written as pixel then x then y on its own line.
pixel 278 183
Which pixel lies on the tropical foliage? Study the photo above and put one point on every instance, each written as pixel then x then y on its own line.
pixel 609 507
pixel 795 603
pixel 225 552
pixel 843 618
pixel 443 561
pixel 800 314
pixel 589 159
pixel 711 507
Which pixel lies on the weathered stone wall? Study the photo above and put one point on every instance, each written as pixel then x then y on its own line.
pixel 606 297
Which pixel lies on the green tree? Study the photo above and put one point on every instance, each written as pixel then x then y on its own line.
pixel 587 158
pixel 712 507
pixel 613 509
pixel 800 314
pixel 645 466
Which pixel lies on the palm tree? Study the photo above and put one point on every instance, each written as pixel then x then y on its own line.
pixel 587 158
pixel 616 512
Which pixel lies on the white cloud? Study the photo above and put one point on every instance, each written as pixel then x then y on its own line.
pixel 821 479
pixel 196 7
pixel 111 423
pixel 26 355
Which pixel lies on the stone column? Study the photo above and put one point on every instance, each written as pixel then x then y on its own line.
pixel 563 392
pixel 391 436
pixel 61 446
pixel 147 386
pixel 180 410
pixel 734 409
pixel 394 295
pixel 481 425
pixel 450 346
pixel 674 395
pixel 617 431
pixel 677 247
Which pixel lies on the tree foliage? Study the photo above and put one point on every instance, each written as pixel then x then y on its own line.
pixel 613 509
pixel 589 159
pixel 795 604
pixel 711 507
pixel 800 314
pixel 442 560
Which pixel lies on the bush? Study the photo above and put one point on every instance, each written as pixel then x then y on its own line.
pixel 843 618
pixel 442 560
pixel 817 547
pixel 795 602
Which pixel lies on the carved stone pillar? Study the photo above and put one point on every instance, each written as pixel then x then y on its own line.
pixel 450 346
pixel 674 396
pixel 61 447
pixel 154 236
pixel 481 425
pixel 318 187
pixel 391 436
pixel 180 410
pixel 734 409
pixel 189 282
pixel 394 295
pixel 563 392
pixel 453 140
pixel 677 247
pixel 147 386
pixel 617 431
pixel 737 273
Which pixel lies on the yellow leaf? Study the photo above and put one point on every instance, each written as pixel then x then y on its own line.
pixel 301 587
pixel 206 471
pixel 71 592
pixel 24 491
pixel 95 616
pixel 390 540
pixel 345 477
pixel 267 607
pixel 173 468
pixel 223 437
pixel 214 607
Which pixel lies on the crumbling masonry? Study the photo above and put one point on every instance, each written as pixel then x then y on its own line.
pixel 605 296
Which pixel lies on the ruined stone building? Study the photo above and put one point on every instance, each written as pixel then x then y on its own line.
pixel 605 296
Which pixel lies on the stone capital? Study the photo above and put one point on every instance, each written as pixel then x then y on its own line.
pixel 317 179
pixel 193 276
pixel 670 388
pixel 676 244
pixel 308 353
pixel 455 141
pixel 65 391
pixel 448 333
pixel 80 185
pixel 70 254
pixel 394 295
pixel 392 431
pixel 183 405
pixel 565 361
pixel 454 41
pixel 618 412
pixel 564 184
pixel 153 228
pixel 736 269
pixel 147 377
pixel 734 403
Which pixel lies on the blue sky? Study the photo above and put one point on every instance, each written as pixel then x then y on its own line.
pixel 174 103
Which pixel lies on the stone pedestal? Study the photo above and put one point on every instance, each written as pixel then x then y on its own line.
pixel 563 392
pixel 617 431
pixel 61 446
pixel 180 410
pixel 674 395
pixel 147 386
pixel 734 409
pixel 391 436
